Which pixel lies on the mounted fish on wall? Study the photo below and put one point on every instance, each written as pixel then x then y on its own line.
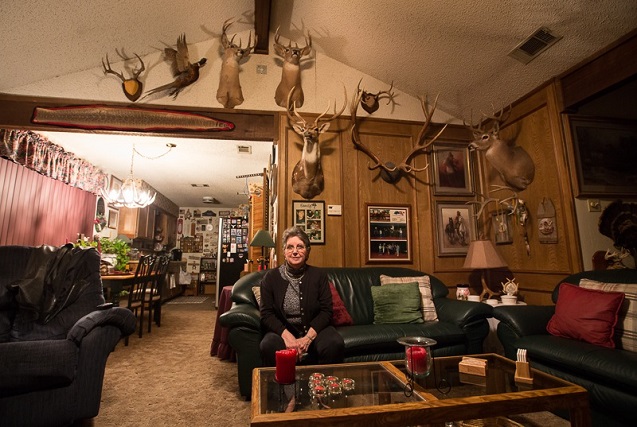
pixel 229 93
pixel 131 86
pixel 185 72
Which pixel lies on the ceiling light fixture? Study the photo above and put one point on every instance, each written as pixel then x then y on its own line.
pixel 133 193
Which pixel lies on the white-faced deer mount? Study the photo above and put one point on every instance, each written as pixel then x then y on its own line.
pixel 369 101
pixel 291 71
pixel 229 93
pixel 307 176
pixel 513 163
pixel 390 172
pixel 131 86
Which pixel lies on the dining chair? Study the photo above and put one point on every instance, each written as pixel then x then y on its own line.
pixel 137 292
pixel 154 294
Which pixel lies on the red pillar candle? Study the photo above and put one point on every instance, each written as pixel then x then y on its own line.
pixel 285 366
pixel 417 360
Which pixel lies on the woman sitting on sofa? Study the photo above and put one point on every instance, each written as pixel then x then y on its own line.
pixel 296 307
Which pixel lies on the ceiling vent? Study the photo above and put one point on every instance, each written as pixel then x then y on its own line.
pixel 209 200
pixel 244 149
pixel 535 44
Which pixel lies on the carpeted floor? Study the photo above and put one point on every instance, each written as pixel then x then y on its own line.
pixel 168 378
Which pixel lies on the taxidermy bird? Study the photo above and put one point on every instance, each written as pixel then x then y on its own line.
pixel 184 72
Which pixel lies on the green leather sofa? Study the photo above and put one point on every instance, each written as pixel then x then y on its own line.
pixel 461 328
pixel 609 375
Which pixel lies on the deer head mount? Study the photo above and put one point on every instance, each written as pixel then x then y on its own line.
pixel 513 163
pixel 369 101
pixel 131 86
pixel 229 93
pixel 390 172
pixel 291 71
pixel 307 176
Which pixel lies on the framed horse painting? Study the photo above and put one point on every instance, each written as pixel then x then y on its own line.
pixel 455 228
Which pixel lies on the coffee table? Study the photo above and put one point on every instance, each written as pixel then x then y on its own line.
pixel 379 396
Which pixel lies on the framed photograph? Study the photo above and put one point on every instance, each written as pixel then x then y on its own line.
pixel 605 156
pixel 388 233
pixel 452 169
pixel 114 187
pixel 309 215
pixel 502 223
pixel 113 218
pixel 455 228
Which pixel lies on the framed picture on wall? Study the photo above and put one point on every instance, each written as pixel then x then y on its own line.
pixel 452 169
pixel 113 218
pixel 502 224
pixel 309 215
pixel 605 153
pixel 455 228
pixel 388 233
pixel 114 187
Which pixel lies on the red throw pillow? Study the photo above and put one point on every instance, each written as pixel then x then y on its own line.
pixel 340 315
pixel 586 314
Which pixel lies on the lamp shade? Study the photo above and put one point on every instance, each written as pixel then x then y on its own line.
pixel 482 254
pixel 262 238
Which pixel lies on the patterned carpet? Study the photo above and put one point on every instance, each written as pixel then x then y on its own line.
pixel 188 300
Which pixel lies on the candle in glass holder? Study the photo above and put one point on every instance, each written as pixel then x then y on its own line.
pixel 285 366
pixel 417 360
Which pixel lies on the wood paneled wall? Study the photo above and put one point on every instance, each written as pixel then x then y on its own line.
pixel 37 210
pixel 535 125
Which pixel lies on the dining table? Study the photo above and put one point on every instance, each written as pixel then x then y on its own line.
pixel 114 283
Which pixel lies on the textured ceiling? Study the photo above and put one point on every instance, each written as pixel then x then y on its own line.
pixel 453 47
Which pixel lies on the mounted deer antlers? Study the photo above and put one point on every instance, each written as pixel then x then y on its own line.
pixel 229 93
pixel 513 163
pixel 131 86
pixel 291 71
pixel 390 172
pixel 369 101
pixel 307 176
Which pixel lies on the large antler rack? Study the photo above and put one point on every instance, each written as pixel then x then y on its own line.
pixel 422 145
pixel 300 121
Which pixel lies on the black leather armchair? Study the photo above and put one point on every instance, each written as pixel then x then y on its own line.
pixel 55 335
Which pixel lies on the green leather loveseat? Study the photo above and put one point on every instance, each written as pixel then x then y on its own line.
pixel 461 327
pixel 609 374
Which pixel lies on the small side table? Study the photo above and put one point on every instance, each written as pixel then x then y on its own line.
pixel 220 346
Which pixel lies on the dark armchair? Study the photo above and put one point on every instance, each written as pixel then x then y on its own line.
pixel 55 335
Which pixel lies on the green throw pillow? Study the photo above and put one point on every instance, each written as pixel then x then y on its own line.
pixel 397 303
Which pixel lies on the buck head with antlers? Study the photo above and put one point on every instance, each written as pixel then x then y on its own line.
pixel 513 163
pixel 229 93
pixel 307 176
pixel 369 101
pixel 131 86
pixel 390 172
pixel 291 72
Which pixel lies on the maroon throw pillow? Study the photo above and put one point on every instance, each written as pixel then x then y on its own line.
pixel 586 314
pixel 340 315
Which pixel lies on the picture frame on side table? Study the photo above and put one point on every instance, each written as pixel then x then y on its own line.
pixel 605 156
pixel 455 228
pixel 309 215
pixel 452 169
pixel 388 233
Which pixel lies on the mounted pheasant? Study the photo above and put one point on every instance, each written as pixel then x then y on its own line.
pixel 184 72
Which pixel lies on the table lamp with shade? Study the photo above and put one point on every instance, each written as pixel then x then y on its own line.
pixel 483 256
pixel 262 238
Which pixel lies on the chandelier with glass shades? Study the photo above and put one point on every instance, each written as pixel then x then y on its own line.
pixel 132 193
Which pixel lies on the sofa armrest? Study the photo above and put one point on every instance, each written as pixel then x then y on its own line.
pixel 242 315
pixel 461 313
pixel 27 366
pixel 119 317
pixel 525 319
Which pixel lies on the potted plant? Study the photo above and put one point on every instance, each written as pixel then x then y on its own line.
pixel 117 247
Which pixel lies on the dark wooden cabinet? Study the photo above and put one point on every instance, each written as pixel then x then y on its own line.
pixel 137 223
